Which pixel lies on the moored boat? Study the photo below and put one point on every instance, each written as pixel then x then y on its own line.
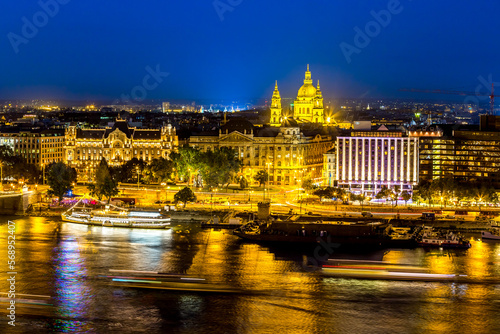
pixel 344 234
pixel 493 234
pixel 431 238
pixel 113 216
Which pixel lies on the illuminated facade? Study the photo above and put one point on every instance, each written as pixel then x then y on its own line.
pixel 288 153
pixel 308 106
pixel 118 144
pixel 465 155
pixel 276 110
pixel 329 168
pixel 368 160
pixel 38 147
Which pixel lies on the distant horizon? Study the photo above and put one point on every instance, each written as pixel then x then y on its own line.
pixel 161 50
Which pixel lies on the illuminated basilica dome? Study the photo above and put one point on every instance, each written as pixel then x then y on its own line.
pixel 307 90
pixel 308 106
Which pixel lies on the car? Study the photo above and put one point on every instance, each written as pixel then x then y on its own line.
pixel 366 214
pixel 449 217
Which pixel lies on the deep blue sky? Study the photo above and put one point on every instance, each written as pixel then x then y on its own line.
pixel 99 49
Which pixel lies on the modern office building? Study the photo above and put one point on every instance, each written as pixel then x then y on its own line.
pixel 38 146
pixel 368 160
pixel 471 155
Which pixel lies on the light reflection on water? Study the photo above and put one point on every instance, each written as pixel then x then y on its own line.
pixel 66 261
pixel 72 293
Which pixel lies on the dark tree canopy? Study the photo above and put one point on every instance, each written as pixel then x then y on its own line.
pixel 261 176
pixel 60 178
pixel 104 185
pixel 185 195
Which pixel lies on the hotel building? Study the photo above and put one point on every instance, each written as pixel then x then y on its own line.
pixel 369 160
pixel 86 147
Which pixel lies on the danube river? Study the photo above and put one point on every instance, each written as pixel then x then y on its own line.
pixel 65 263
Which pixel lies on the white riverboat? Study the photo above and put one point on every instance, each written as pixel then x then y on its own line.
pixel 493 234
pixel 111 215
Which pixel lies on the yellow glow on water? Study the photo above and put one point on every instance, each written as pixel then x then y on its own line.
pixel 477 261
pixel 441 262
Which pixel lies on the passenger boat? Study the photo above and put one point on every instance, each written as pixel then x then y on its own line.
pixel 344 234
pixel 113 216
pixel 493 234
pixel 431 238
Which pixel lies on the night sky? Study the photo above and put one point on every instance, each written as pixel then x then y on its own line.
pixel 89 49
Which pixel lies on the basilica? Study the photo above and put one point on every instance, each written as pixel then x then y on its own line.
pixel 307 107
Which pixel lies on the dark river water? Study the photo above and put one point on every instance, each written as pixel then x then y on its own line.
pixel 66 261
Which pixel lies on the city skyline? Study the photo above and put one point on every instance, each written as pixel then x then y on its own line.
pixel 64 49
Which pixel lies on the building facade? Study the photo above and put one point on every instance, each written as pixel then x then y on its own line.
pixel 287 153
pixel 329 168
pixel 85 148
pixel 370 160
pixel 465 155
pixel 38 147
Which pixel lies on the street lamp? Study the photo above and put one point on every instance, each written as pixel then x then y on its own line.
pixel 249 198
pixel 212 202
pixel 137 169
pixel 268 166
pixel 43 174
pixel 1 176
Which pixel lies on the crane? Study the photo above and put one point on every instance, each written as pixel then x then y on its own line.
pixel 457 92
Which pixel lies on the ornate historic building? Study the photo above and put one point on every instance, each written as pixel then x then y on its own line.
pixel 276 110
pixel 308 106
pixel 85 147
pixel 287 153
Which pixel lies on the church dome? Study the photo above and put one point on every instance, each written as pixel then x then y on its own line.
pixel 307 90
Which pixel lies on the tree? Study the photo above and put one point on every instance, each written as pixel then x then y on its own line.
pixel 160 170
pixel 185 195
pixel 219 166
pixel 361 198
pixel 60 178
pixel 261 176
pixel 307 184
pixel 16 167
pixel 384 193
pixel 406 196
pixel 243 183
pixel 128 171
pixel 187 162
pixel 104 185
pixel 443 189
pixel 423 191
pixel 324 192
